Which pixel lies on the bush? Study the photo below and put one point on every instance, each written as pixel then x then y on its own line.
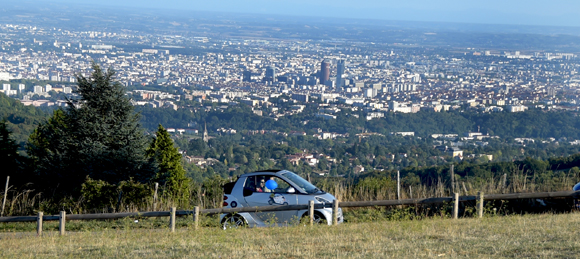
pixel 98 194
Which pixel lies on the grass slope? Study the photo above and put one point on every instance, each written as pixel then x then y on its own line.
pixel 544 236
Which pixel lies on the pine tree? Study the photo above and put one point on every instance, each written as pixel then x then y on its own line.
pixel 96 135
pixel 170 170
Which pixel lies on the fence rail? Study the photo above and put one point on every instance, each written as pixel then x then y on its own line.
pixel 196 211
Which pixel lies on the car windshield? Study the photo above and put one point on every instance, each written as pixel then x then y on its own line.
pixel 305 185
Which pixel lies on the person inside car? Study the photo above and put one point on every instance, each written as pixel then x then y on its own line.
pixel 261 187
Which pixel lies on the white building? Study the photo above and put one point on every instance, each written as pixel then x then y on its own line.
pixel 517 108
pixel 38 89
pixel 375 115
pixel 326 116
pixel 408 133
pixel 370 93
pixel 4 76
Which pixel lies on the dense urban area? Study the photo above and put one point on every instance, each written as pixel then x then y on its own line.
pixel 236 100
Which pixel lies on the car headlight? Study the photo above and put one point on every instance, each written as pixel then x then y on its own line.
pixel 322 200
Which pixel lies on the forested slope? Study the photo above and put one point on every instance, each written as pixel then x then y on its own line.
pixel 530 124
pixel 22 120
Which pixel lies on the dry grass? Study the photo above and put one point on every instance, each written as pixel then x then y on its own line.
pixel 544 236
pixel 516 182
pixel 209 194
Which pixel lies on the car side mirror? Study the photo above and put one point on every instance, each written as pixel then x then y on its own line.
pixel 290 190
pixel 248 192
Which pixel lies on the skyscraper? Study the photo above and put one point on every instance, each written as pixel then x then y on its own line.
pixel 271 73
pixel 219 58
pixel 324 71
pixel 339 73
pixel 247 76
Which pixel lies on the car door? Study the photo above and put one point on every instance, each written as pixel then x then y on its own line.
pixel 261 196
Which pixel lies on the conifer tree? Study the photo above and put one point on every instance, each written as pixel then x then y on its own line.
pixel 96 135
pixel 170 171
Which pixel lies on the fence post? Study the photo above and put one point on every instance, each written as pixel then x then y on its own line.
pixel 39 223
pixel 155 197
pixel 503 183
pixel 62 222
pixel 452 176
pixel 311 211
pixel 196 216
pixel 335 212
pixel 5 193
pixel 398 185
pixel 172 219
pixel 456 206
pixel 480 204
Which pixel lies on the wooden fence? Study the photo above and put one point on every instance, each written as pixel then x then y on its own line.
pixel 62 217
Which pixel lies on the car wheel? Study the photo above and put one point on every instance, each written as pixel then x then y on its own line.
pixel 318 218
pixel 233 221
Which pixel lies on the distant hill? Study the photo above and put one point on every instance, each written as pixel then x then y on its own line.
pixel 22 120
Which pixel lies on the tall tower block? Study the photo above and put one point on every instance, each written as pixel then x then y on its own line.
pixel 271 73
pixel 324 71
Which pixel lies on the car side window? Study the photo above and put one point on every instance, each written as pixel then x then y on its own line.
pixel 259 184
pixel 250 183
pixel 256 183
pixel 281 185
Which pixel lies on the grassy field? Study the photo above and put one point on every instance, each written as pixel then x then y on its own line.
pixel 543 236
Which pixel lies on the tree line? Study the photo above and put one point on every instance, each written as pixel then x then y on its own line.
pixel 94 146
pixel 534 123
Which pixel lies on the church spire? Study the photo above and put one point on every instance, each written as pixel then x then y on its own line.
pixel 205 137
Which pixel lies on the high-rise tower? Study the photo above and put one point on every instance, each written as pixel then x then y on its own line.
pixel 247 76
pixel 271 73
pixel 324 71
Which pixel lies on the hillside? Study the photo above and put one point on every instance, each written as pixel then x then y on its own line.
pixel 529 124
pixel 22 120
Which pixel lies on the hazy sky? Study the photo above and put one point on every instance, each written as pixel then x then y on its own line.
pixel 523 12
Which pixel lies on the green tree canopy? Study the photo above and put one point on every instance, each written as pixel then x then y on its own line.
pixel 20 119
pixel 170 169
pixel 96 135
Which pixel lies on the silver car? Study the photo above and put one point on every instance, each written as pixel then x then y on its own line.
pixel 251 190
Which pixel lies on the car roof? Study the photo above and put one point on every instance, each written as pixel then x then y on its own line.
pixel 273 171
